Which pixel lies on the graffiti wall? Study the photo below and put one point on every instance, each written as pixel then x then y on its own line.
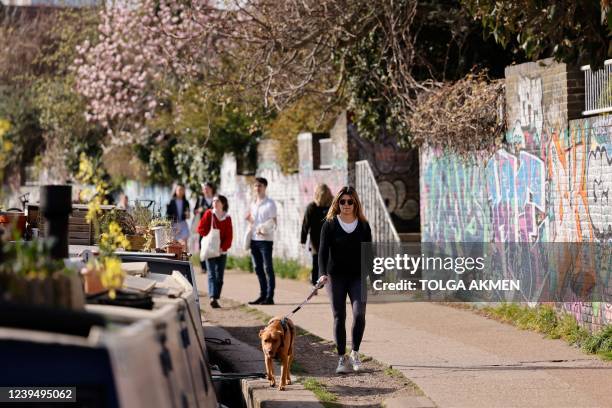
pixel 396 171
pixel 549 183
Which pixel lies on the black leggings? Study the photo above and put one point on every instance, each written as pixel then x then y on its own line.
pixel 337 288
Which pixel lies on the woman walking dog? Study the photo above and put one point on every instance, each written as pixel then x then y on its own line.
pixel 344 230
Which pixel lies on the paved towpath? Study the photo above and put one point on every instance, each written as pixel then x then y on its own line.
pixel 458 358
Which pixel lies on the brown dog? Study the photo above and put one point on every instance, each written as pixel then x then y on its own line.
pixel 277 340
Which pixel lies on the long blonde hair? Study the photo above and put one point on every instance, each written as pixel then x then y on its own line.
pixel 323 196
pixel 334 209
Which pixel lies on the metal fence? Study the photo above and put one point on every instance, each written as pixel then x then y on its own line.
pixel 597 89
pixel 374 206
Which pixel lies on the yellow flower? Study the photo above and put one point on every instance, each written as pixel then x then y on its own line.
pixel 114 228
pixel 93 209
pixel 112 276
pixel 7 146
pixel 86 171
pixel 4 127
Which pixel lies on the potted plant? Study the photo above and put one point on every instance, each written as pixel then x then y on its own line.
pixel 104 272
pixel 29 275
pixel 174 247
pixel 143 235
pixel 162 230
pixel 142 218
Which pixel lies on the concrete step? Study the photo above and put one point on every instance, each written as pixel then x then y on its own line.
pixel 410 236
pixel 247 359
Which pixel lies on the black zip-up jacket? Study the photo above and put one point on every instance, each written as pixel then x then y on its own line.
pixel 340 252
pixel 313 221
pixel 201 203
pixel 172 211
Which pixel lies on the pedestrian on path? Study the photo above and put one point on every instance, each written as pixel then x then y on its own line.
pixel 262 219
pixel 177 211
pixel 313 220
pixel 217 218
pixel 203 202
pixel 342 233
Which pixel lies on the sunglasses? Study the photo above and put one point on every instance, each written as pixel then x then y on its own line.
pixel 346 202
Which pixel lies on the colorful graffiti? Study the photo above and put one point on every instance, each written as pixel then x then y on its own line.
pixel 515 187
pixel 527 125
pixel 453 202
pixel 548 185
pixel 396 171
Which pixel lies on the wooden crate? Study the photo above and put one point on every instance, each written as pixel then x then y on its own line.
pixel 79 231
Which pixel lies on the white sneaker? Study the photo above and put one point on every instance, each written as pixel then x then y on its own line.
pixel 343 365
pixel 355 361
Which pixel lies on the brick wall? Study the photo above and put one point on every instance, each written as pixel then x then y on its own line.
pixel 549 183
pixel 291 192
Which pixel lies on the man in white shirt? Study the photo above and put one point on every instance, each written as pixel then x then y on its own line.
pixel 262 217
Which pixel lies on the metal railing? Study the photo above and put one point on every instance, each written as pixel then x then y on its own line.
pixel 597 89
pixel 374 206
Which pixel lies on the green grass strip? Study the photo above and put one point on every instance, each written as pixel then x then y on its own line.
pixel 545 319
pixel 319 389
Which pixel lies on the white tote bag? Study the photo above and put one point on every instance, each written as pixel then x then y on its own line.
pixel 211 243
pixel 246 241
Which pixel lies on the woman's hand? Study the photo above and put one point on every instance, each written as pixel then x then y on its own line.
pixel 322 281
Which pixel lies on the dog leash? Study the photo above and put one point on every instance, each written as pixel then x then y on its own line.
pixel 318 286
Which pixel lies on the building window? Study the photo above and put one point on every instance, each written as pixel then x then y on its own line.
pixel 326 153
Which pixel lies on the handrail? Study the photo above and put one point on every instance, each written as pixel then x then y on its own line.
pixel 597 89
pixel 374 205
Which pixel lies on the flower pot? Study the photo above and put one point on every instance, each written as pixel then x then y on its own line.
pixel 57 290
pixel 175 248
pixel 93 283
pixel 162 236
pixel 137 242
pixel 12 221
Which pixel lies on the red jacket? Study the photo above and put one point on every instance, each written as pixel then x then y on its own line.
pixel 225 228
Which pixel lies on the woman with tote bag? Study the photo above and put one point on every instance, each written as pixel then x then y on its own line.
pixel 216 228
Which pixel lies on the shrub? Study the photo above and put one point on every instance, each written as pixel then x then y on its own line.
pixel 239 262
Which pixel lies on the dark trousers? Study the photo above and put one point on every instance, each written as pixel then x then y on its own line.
pixel 216 268
pixel 314 277
pixel 337 288
pixel 261 252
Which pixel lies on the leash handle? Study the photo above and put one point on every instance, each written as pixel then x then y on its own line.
pixel 318 286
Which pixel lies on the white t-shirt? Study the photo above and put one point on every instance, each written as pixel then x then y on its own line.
pixel 348 227
pixel 262 213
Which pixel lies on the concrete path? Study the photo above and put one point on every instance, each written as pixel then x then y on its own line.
pixel 458 358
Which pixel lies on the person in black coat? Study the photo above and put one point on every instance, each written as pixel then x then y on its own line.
pixel 205 201
pixel 313 220
pixel 342 233
pixel 177 211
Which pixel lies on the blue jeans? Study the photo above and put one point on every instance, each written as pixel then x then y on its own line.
pixel 216 267
pixel 261 252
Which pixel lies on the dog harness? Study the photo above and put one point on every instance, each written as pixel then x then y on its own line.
pixel 283 323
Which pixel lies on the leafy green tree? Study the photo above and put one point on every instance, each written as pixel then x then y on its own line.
pixel 192 131
pixel 37 87
pixel 572 31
